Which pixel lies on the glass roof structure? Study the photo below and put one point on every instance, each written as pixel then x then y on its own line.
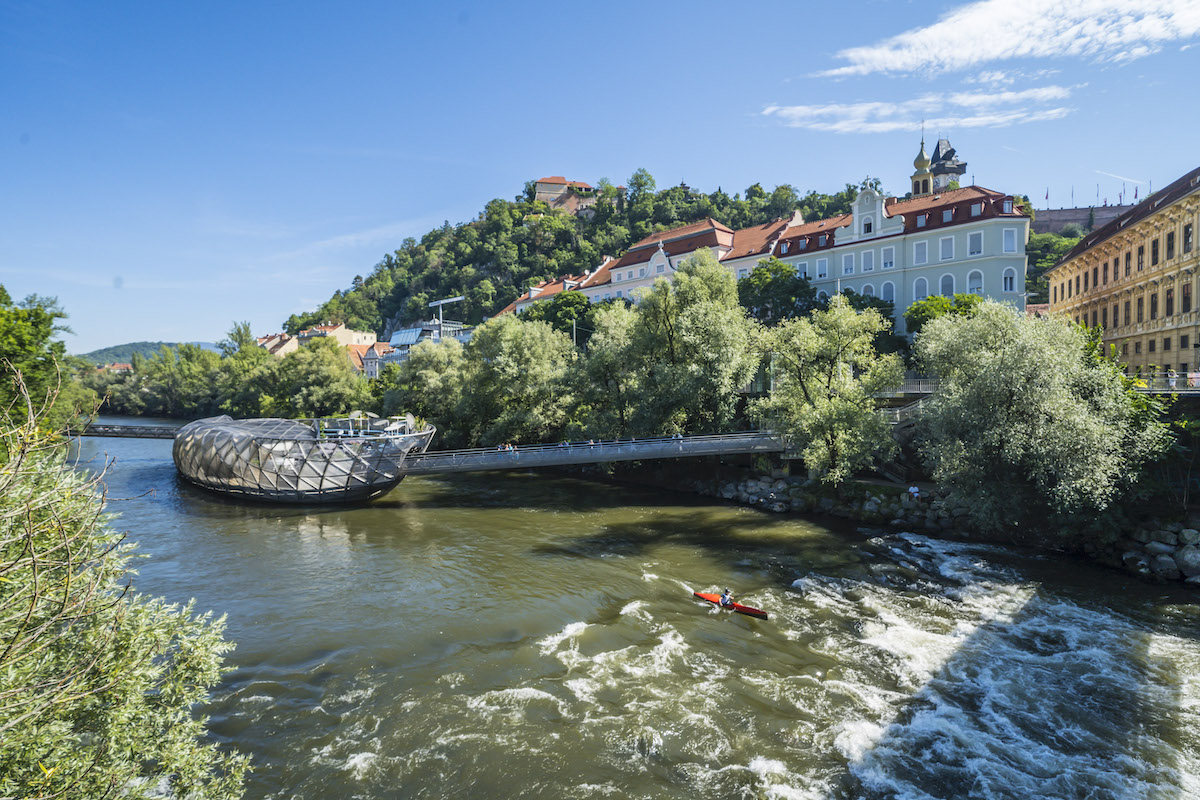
pixel 327 460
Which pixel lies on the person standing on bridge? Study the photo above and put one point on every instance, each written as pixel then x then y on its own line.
pixel 1171 378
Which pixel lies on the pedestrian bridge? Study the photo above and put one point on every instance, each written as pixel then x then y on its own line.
pixel 594 452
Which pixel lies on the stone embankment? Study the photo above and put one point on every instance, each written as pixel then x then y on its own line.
pixel 1163 551
pixel 1168 552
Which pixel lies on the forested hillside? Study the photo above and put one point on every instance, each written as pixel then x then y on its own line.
pixel 123 353
pixel 513 244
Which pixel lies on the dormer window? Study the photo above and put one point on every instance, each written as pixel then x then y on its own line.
pixel 921 220
pixel 783 248
pixel 1008 206
pixel 948 215
pixel 868 225
pixel 822 239
pixel 976 209
pixel 803 243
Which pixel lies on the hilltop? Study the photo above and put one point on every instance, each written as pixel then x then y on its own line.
pixel 510 245
pixel 123 353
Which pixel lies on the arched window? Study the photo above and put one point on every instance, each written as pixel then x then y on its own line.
pixel 975 282
pixel 868 224
pixel 868 291
pixel 925 186
pixel 822 296
pixel 888 292
pixel 947 286
pixel 920 289
pixel 1010 280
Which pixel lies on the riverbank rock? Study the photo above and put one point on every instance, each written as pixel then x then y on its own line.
pixel 1157 548
pixel 1189 536
pixel 1187 558
pixel 1164 567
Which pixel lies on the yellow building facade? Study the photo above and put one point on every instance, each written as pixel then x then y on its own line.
pixel 1136 278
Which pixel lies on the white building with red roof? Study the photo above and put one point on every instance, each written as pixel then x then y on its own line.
pixel 938 241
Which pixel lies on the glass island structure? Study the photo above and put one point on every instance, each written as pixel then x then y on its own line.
pixel 330 460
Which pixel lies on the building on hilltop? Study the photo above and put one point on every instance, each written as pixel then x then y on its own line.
pixel 1053 220
pixel 554 188
pixel 1135 278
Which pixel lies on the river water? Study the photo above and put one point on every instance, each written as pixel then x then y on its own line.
pixel 536 636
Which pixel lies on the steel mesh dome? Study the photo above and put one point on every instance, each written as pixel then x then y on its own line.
pixel 317 461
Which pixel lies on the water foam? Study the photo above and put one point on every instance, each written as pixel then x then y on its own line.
pixel 550 643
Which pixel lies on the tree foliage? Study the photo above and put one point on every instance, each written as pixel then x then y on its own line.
pixel 1031 424
pixel 29 346
pixel 97 683
pixel 923 311
pixel 774 291
pixel 515 386
pixel 826 373
pixel 1042 252
pixel 692 348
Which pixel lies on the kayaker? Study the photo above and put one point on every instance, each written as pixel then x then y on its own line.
pixel 727 599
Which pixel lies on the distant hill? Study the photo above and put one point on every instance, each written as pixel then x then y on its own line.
pixel 123 353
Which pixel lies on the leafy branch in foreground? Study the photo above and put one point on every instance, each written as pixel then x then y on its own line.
pixel 97 682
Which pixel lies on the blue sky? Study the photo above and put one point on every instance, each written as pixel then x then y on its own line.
pixel 169 168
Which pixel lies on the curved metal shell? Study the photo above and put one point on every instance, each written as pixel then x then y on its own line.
pixel 292 461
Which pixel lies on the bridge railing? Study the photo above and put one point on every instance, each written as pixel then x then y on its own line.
pixel 1165 383
pixel 912 386
pixel 591 452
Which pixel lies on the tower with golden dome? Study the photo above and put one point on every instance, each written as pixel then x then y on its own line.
pixel 922 179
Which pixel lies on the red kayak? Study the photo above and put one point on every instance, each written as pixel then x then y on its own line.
pixel 715 599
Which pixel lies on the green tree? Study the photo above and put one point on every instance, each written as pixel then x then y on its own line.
pixel 247 375
pixel 28 345
pixel 98 684
pixel 1031 427
pixel 774 291
pixel 567 312
pixel 826 375
pixel 610 386
pixel 694 348
pixel 516 387
pixel 318 380
pixel 429 385
pixel 1042 252
pixel 935 306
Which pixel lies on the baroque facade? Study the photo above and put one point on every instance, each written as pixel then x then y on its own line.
pixel 1135 278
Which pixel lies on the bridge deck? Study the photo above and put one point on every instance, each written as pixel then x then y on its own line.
pixel 553 455
pixel 130 431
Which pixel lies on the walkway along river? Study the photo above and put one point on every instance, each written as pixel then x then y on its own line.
pixel 524 635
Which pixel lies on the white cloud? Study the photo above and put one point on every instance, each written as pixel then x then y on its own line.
pixel 953 110
pixel 1105 31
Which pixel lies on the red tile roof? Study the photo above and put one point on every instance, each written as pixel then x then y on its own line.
pixel 356 352
pixel 758 240
pixel 561 181
pixel 544 289
pixel 600 275
pixel 703 226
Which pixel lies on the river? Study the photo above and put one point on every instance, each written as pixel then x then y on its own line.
pixel 535 636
